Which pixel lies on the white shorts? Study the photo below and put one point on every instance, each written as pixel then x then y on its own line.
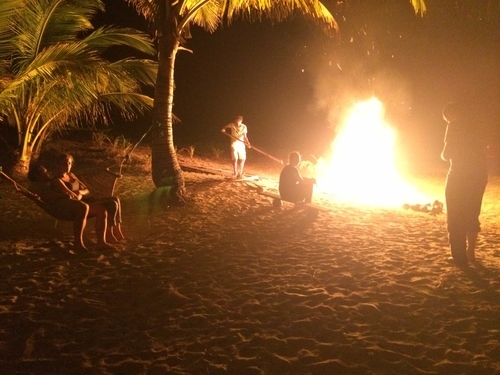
pixel 238 151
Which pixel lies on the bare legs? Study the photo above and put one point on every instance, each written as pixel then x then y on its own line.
pixel 235 168
pixel 104 233
pixel 463 205
pixel 114 230
pixel 79 223
pixel 242 166
pixel 238 167
pixel 101 217
pixel 114 233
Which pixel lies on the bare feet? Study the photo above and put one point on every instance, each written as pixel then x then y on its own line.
pixel 111 239
pixel 81 247
pixel 115 234
pixel 119 234
pixel 105 246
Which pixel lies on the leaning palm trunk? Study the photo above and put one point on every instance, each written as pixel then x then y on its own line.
pixel 166 171
pixel 19 169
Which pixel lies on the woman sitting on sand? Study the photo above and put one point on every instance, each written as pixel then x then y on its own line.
pixel 61 205
pixel 66 182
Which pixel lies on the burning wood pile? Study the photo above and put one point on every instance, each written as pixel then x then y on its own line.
pixel 434 209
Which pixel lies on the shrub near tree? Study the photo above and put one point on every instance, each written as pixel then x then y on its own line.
pixel 53 75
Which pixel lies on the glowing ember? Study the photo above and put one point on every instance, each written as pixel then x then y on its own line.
pixel 362 168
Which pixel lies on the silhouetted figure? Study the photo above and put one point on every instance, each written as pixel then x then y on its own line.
pixel 292 186
pixel 465 147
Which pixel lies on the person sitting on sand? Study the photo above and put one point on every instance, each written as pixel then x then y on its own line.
pixel 61 204
pixel 109 230
pixel 292 186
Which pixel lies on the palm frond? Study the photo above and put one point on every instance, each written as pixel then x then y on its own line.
pixel 8 8
pixel 80 54
pixel 60 57
pixel 129 104
pixel 147 8
pixel 209 14
pixel 278 11
pixel 419 6
pixel 144 71
pixel 204 13
pixel 46 23
pixel 106 37
pixel 53 74
pixel 73 65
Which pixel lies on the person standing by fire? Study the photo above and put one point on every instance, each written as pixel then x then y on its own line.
pixel 239 141
pixel 465 148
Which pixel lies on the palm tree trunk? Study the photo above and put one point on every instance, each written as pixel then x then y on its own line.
pixel 19 168
pixel 166 171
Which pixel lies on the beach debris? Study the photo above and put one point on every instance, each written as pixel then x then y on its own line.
pixel 435 208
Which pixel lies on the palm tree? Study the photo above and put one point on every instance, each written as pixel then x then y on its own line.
pixel 171 20
pixel 53 75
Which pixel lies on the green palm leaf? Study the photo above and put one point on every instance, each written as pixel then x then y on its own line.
pixel 53 73
pixel 107 37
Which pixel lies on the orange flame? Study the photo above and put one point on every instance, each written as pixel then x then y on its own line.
pixel 362 167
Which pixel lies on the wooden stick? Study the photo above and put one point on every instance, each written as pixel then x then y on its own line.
pixel 11 180
pixel 20 188
pixel 255 148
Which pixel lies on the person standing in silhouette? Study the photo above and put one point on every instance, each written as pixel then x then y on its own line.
pixel 465 147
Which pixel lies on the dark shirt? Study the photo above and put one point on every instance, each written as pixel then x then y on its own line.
pixel 468 145
pixel 289 179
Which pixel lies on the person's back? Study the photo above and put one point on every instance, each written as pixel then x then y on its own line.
pixel 469 146
pixel 289 179
pixel 292 186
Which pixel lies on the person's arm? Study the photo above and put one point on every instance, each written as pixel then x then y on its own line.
pixel 247 142
pixel 307 181
pixel 225 127
pixel 304 180
pixel 83 190
pixel 60 187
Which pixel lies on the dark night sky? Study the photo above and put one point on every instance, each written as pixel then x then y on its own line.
pixel 286 81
